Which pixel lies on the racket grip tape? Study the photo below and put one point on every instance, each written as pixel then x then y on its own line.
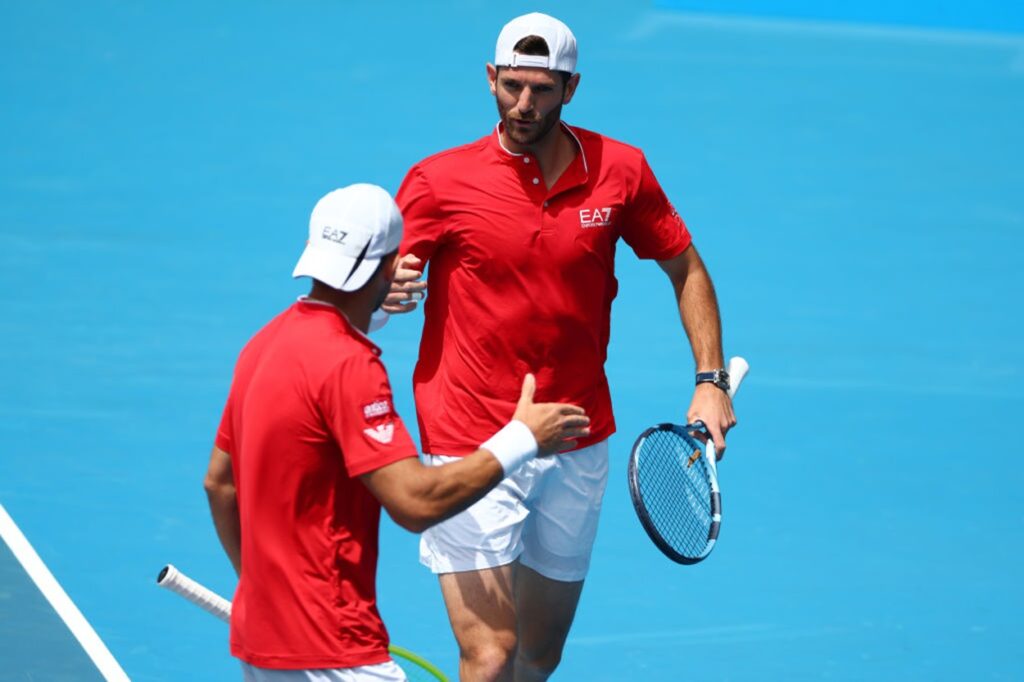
pixel 738 368
pixel 174 580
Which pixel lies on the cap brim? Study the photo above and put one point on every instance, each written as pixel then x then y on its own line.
pixel 336 271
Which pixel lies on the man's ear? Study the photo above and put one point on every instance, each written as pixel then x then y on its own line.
pixel 492 78
pixel 570 88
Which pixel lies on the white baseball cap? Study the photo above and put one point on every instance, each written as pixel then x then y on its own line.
pixel 350 230
pixel 561 43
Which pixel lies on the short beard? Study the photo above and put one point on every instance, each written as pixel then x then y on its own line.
pixel 528 140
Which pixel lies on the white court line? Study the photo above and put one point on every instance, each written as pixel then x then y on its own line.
pixel 653 22
pixel 888 387
pixel 711 635
pixel 59 600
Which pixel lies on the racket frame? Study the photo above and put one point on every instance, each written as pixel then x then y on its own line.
pixel 737 368
pixel 648 524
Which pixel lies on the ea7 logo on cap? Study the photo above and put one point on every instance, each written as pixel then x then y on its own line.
pixel 334 234
pixel 382 433
pixel 595 217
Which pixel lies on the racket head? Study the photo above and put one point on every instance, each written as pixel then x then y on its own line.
pixel 674 488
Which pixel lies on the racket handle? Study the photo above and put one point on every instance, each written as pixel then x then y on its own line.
pixel 738 368
pixel 179 583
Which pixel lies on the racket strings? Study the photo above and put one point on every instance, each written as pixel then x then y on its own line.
pixel 676 491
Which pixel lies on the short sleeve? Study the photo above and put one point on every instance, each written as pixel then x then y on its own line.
pixel 225 439
pixel 422 216
pixel 651 225
pixel 357 405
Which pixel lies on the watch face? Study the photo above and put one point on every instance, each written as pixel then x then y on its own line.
pixel 718 377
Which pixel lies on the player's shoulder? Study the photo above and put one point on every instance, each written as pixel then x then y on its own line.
pixel 267 333
pixel 616 149
pixel 356 365
pixel 453 158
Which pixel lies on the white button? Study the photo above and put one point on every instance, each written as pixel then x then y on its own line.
pixel 536 181
pixel 526 159
pixel 545 203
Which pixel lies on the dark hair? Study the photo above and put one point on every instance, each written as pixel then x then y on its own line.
pixel 532 45
pixel 538 47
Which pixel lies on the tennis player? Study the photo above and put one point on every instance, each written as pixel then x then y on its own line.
pixel 310 447
pixel 520 229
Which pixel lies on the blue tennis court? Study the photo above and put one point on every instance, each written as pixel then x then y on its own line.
pixel 853 177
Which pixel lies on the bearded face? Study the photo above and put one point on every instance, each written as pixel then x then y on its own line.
pixel 529 102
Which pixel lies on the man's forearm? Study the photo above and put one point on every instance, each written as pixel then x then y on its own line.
pixel 417 497
pixel 224 510
pixel 698 309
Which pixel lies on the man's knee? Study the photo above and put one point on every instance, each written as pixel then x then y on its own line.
pixel 539 661
pixel 490 660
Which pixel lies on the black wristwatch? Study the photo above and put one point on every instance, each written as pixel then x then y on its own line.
pixel 718 377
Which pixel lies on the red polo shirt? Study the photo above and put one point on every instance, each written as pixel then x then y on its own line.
pixel 522 278
pixel 309 411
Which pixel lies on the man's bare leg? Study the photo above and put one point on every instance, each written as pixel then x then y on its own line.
pixel 545 609
pixel 482 613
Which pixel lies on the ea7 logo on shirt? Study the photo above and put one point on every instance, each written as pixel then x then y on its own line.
pixel 334 234
pixel 377 408
pixel 595 217
pixel 382 433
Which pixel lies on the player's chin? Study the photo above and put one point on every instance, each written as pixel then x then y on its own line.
pixel 524 135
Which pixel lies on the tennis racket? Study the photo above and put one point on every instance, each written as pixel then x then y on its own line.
pixel 673 481
pixel 416 668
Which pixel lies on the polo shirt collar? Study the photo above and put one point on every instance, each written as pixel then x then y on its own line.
pixel 581 158
pixel 510 155
pixel 353 331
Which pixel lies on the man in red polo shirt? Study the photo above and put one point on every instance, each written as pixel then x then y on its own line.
pixel 309 448
pixel 520 229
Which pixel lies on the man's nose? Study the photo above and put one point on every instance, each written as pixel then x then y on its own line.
pixel 525 103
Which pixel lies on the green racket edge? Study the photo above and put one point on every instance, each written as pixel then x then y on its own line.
pixel 413 657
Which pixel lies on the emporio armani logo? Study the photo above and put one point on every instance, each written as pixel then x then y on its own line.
pixel 382 433
pixel 595 217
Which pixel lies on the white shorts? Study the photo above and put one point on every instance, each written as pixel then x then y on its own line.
pixel 379 672
pixel 545 515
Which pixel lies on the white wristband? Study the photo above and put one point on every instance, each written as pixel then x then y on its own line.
pixel 512 446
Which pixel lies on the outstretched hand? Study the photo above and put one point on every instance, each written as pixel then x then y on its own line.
pixel 555 426
pixel 407 287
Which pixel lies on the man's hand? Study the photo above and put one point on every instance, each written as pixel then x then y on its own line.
pixel 712 406
pixel 554 425
pixel 407 287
